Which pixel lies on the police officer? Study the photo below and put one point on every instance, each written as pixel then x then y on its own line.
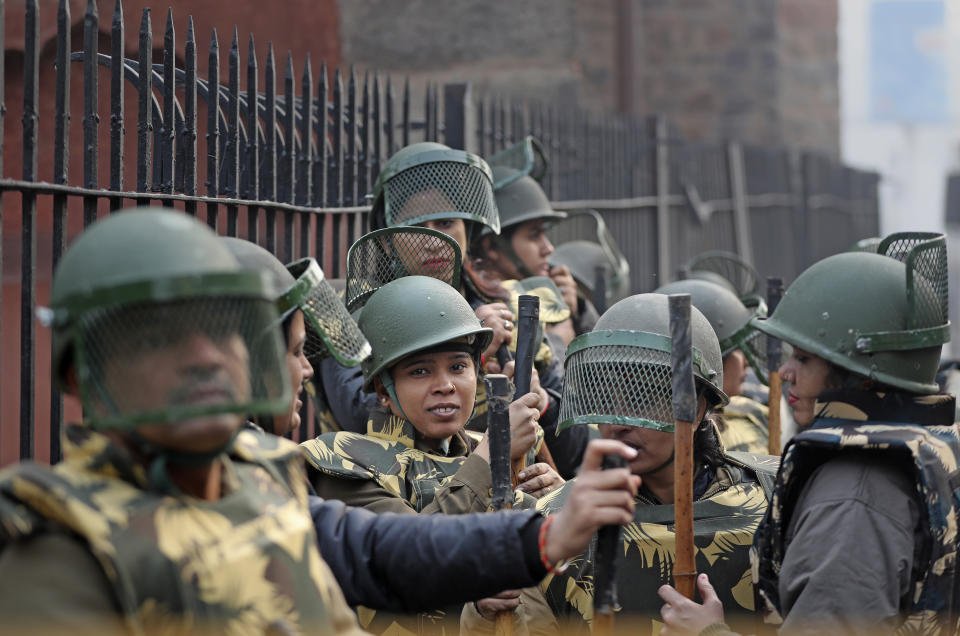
pixel 163 516
pixel 451 191
pixel 743 422
pixel 861 537
pixel 619 376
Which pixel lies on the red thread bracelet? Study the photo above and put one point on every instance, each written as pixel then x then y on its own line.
pixel 546 407
pixel 561 566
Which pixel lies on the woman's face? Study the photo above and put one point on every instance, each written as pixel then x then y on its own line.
pixel 734 372
pixel 532 247
pixel 654 448
pixel 454 228
pixel 436 390
pixel 807 375
pixel 423 255
pixel 300 371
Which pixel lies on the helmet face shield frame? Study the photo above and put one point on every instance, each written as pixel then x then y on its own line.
pixel 384 255
pixel 331 331
pixel 624 378
pixel 437 184
pixel 120 325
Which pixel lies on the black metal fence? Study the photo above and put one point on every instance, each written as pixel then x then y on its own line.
pixel 289 169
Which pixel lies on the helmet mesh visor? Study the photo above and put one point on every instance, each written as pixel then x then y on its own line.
pixel 526 157
pixel 927 289
pixel 166 362
pixel 754 347
pixel 618 384
pixel 386 255
pixel 441 189
pixel 741 275
pixel 330 328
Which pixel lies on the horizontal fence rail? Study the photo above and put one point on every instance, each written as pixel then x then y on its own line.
pixel 263 146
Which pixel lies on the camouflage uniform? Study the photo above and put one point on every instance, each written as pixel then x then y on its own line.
pixel 744 425
pixel 171 564
pixel 879 426
pixel 728 507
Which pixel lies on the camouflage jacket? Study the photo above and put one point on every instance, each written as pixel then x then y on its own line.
pixel 173 563
pixel 725 518
pixel 744 426
pixel 880 424
pixel 389 455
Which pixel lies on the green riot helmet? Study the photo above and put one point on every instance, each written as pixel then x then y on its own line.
pixel 620 373
pixel 385 255
pixel 301 285
pixel 135 301
pixel 583 258
pixel 729 317
pixel 526 158
pixel 428 181
pixel 413 314
pixel 729 270
pixel 872 314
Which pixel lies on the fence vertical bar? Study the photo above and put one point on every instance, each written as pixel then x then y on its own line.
pixel 145 104
pixel 406 113
pixel 268 188
pixel 738 192
pixel 377 126
pixel 427 112
pixel 363 158
pixel 91 116
pixel 232 152
pixel 116 103
pixel 335 193
pixel 167 137
pixel 213 128
pixel 388 105
pixel 189 134
pixel 350 158
pixel 61 162
pixel 251 190
pixel 663 200
pixel 320 179
pixel 288 158
pixel 28 256
pixel 3 111
pixel 305 157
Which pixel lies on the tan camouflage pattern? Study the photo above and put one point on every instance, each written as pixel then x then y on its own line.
pixel 725 519
pixel 323 418
pixel 552 307
pixel 935 454
pixel 245 564
pixel 744 426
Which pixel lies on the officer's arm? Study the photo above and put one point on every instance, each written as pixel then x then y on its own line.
pixel 52 584
pixel 372 556
pixel 348 403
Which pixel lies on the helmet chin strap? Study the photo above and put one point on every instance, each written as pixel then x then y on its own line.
pixel 505 245
pixel 387 381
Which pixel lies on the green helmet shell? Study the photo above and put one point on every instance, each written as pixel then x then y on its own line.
pixel 521 200
pixel 853 310
pixel 415 313
pixel 620 373
pixel 146 279
pixel 428 181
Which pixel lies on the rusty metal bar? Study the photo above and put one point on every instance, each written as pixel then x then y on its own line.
pixel 377 125
pixel 268 188
pixel 213 129
pixel 335 193
pixel 28 256
pixel 61 164
pixel 288 159
pixel 91 116
pixel 145 102
pixel 188 137
pixel 406 113
pixel 164 166
pixel 251 185
pixel 305 158
pixel 231 162
pixel 116 100
pixel 391 144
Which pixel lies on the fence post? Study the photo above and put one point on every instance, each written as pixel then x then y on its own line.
pixel 741 213
pixel 799 168
pixel 663 200
pixel 459 117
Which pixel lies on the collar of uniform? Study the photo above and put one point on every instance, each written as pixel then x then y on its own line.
pixel 384 425
pixel 92 451
pixel 892 406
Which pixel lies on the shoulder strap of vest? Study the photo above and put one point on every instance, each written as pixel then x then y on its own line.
pixel 764 467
